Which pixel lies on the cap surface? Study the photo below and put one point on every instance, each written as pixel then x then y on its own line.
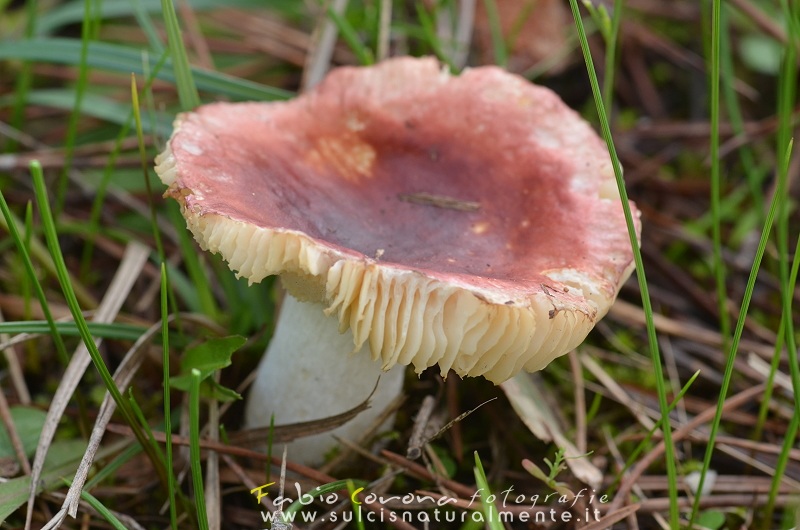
pixel 468 221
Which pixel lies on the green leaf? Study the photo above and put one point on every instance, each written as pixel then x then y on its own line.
pixel 184 382
pixel 211 355
pixel 28 422
pixel 62 459
pixel 218 392
pixel 206 359
pixel 209 388
pixel 761 53
pixel 711 519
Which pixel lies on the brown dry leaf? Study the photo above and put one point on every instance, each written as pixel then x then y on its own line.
pixel 534 31
pixel 288 432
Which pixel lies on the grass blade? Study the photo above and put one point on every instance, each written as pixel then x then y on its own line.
pixel 173 514
pixel 490 513
pixel 96 329
pixel 780 195
pixel 67 13
pixel 642 445
pixel 104 512
pixel 429 32
pixel 127 59
pixel 777 208
pixel 716 227
pixel 89 30
pixel 794 372
pixel 146 174
pixel 187 91
pixel 194 450
pixel 22 248
pixel 499 47
pixel 356 506
pixel 94 105
pixel 147 27
pixel 611 55
pixel 200 285
pixel 350 36
pixel 100 192
pixel 640 273
pixel 24 79
pixel 320 491
pixel 754 174
pixel 69 294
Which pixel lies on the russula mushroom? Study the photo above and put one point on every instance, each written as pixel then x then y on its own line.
pixel 416 218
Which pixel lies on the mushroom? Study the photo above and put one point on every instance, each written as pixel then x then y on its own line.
pixel 415 218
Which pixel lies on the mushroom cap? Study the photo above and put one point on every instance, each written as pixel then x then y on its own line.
pixel 468 221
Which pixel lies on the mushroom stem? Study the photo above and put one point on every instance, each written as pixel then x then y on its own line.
pixel 309 372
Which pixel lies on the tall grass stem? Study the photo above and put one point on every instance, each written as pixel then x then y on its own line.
pixel 194 450
pixel 669 454
pixel 184 81
pixel 51 236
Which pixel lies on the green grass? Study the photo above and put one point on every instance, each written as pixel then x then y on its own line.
pixel 194 446
pixel 90 28
pixel 127 59
pixel 72 301
pixel 168 454
pixel 499 48
pixel 184 80
pixel 490 512
pixel 718 263
pixel 22 86
pixel 74 73
pixel 104 512
pixel 661 385
pixel 23 246
pixel 777 207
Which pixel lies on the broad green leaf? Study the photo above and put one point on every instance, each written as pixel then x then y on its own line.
pixel 28 422
pixel 61 462
pixel 207 358
pixel 711 519
pixel 211 355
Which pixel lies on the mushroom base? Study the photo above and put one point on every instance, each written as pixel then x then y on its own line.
pixel 310 372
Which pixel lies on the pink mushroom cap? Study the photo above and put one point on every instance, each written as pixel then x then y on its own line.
pixel 469 221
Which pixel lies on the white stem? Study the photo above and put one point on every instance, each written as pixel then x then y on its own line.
pixel 309 373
